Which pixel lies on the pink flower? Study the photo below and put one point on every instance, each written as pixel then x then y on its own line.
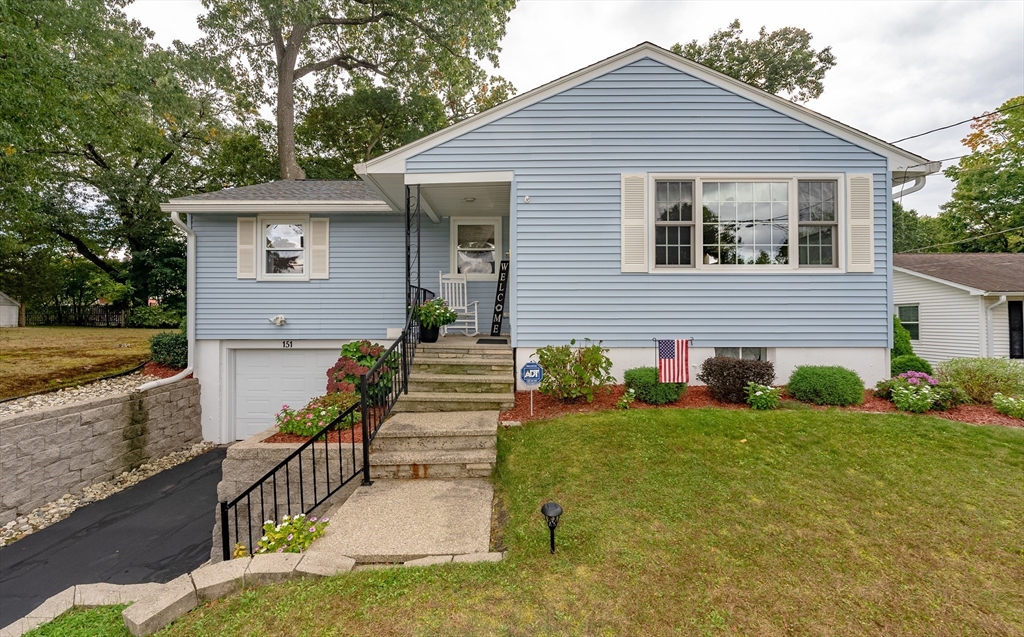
pixel 280 550
pixel 290 536
pixel 312 529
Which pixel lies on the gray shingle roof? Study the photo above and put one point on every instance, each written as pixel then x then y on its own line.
pixel 991 272
pixel 293 190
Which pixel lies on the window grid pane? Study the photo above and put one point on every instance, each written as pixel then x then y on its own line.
pixel 673 231
pixel 818 229
pixel 746 223
pixel 283 245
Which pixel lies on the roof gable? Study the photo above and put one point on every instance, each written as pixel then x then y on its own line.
pixel 987 272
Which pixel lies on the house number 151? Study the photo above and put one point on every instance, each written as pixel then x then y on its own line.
pixel 286 344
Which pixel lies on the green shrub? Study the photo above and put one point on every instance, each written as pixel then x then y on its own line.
pixel 644 383
pixel 727 378
pixel 156 317
pixel 357 358
pixel 900 339
pixel 316 415
pixel 1013 407
pixel 170 349
pixel 826 385
pixel 982 378
pixel 292 535
pixel 572 373
pixel 763 397
pixel 909 363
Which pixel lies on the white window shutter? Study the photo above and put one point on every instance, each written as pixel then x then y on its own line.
pixel 319 248
pixel 246 248
pixel 860 226
pixel 634 222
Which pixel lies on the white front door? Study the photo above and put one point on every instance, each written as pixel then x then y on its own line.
pixel 266 379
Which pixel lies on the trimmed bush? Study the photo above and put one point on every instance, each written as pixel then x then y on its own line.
pixel 909 363
pixel 170 348
pixel 1008 405
pixel 727 378
pixel 826 385
pixel 574 373
pixel 900 339
pixel 646 388
pixel 157 316
pixel 982 378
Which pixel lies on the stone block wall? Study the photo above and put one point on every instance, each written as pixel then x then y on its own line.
pixel 45 453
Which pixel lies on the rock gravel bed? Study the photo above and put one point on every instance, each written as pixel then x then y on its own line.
pixel 70 395
pixel 52 512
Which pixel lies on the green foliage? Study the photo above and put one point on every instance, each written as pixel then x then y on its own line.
pixel 357 358
pixel 909 363
pixel 914 398
pixel 727 378
pixel 626 400
pixel 644 382
pixel 900 339
pixel 102 621
pixel 316 415
pixel 1008 405
pixel 988 185
pixel 154 316
pixel 292 535
pixel 981 378
pixel 911 231
pixel 435 313
pixel 780 62
pixel 763 397
pixel 170 349
pixel 826 385
pixel 573 373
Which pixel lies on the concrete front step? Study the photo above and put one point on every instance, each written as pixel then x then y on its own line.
pixel 436 401
pixel 436 431
pixel 482 351
pixel 466 463
pixel 465 366
pixel 461 383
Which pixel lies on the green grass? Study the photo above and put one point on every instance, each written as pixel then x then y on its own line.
pixel 105 621
pixel 35 359
pixel 820 523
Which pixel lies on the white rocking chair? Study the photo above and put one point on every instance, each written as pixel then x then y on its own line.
pixel 453 291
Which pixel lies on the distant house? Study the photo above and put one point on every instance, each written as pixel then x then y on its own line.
pixel 8 311
pixel 643 196
pixel 961 305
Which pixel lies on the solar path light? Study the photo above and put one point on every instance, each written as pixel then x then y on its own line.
pixel 552 512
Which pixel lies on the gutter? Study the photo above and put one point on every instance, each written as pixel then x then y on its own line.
pixel 918 185
pixel 190 319
pixel 991 324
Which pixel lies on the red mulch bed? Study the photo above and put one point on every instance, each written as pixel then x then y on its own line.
pixel 158 370
pixel 698 396
pixel 345 435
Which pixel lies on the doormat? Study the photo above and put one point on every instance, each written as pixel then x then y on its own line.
pixel 492 341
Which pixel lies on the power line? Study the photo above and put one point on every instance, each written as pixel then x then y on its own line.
pixel 935 130
pixel 952 243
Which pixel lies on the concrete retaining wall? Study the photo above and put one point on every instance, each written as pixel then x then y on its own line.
pixel 48 452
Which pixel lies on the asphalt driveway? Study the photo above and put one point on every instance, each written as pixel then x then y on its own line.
pixel 153 531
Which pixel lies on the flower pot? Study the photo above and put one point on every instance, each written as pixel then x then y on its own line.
pixel 429 334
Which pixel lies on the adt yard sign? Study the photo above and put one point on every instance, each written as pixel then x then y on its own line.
pixel 531 373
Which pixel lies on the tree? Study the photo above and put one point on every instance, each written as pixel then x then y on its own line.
pixel 912 232
pixel 416 46
pixel 988 190
pixel 780 62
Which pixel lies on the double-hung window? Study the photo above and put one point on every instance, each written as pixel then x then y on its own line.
pixel 673 224
pixel 910 318
pixel 817 214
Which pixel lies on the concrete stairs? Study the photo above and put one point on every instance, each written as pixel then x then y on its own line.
pixel 459 376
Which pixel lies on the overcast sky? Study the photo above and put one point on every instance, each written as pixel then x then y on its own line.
pixel 903 67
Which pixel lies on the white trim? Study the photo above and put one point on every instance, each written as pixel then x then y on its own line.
pixel 453 237
pixel 959 286
pixel 497 177
pixel 261 247
pixel 274 206
pixel 697 248
pixel 899 160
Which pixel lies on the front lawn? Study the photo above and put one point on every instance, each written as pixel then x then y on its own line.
pixel 708 522
pixel 34 359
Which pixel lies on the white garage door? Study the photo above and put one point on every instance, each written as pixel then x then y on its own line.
pixel 266 379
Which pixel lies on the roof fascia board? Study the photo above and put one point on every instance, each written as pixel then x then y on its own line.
pixel 274 205
pixel 426 179
pixel 935 279
pixel 900 160
pixel 997 294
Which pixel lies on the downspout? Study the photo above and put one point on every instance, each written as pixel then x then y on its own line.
pixel 918 185
pixel 190 320
pixel 991 324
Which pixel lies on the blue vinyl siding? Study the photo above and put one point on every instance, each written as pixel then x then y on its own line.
pixel 568 153
pixel 363 297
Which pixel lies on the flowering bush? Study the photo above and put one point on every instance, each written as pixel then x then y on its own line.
pixel 910 391
pixel 762 396
pixel 292 535
pixel 314 416
pixel 435 313
pixel 574 373
pixel 626 400
pixel 915 398
pixel 356 359
pixel 1013 407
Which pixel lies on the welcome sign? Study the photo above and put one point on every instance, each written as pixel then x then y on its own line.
pixel 499 299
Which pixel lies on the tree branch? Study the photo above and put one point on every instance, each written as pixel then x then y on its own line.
pixel 86 252
pixel 344 60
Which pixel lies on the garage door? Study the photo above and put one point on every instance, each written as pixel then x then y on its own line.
pixel 266 379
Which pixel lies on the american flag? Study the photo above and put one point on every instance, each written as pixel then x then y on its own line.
pixel 674 361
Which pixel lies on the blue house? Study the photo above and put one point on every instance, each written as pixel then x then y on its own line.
pixel 645 196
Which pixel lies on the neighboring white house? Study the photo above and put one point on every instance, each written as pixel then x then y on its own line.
pixel 8 311
pixel 961 305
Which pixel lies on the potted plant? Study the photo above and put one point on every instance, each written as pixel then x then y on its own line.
pixel 432 315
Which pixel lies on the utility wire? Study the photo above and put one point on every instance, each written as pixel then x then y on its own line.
pixel 935 130
pixel 951 243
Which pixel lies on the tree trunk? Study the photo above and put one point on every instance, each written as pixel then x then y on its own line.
pixel 21 315
pixel 286 115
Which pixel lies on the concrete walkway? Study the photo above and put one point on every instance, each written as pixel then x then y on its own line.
pixel 153 531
